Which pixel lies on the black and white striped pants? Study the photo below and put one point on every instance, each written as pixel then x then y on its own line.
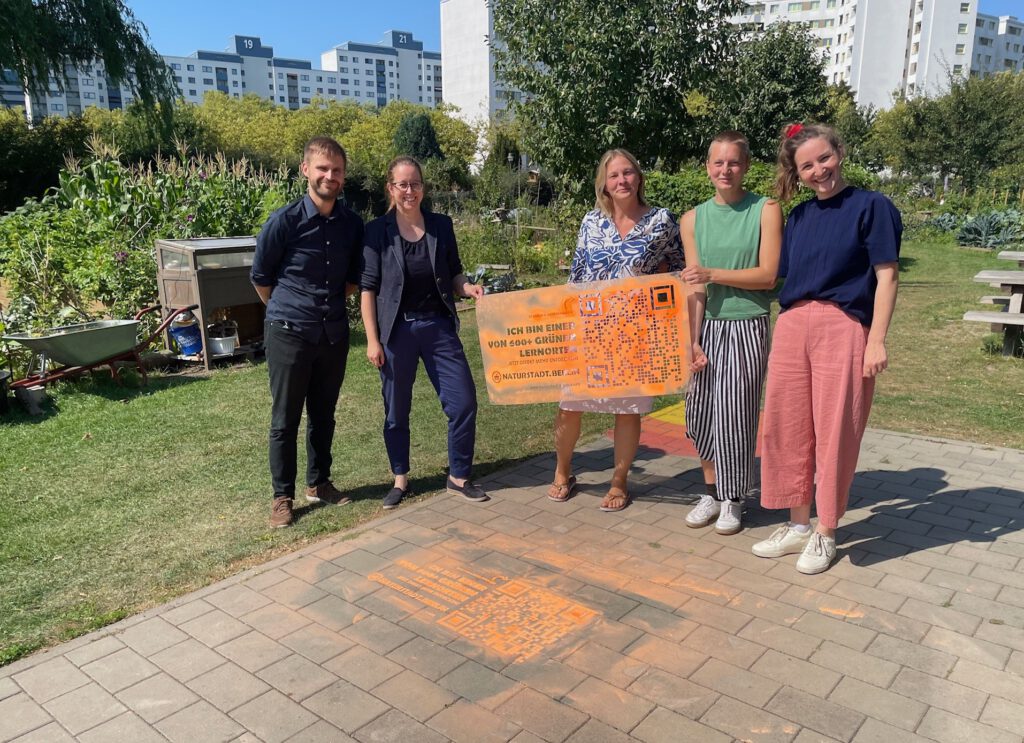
pixel 723 399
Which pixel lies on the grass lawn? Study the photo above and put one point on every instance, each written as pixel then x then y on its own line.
pixel 123 497
pixel 946 376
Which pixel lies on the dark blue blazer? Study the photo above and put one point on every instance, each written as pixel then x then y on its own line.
pixel 384 264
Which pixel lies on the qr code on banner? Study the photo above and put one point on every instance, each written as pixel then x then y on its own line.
pixel 630 338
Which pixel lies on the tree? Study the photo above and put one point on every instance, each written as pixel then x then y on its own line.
pixel 503 150
pixel 39 37
pixel 853 122
pixel 416 136
pixel 967 133
pixel 601 75
pixel 776 78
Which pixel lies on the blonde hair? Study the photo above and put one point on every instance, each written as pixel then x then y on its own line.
pixel 731 136
pixel 787 180
pixel 402 160
pixel 604 201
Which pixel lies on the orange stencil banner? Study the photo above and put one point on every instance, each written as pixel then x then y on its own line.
pixel 622 338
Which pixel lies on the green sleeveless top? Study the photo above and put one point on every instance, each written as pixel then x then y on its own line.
pixel 729 236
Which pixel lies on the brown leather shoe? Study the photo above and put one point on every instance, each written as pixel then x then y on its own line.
pixel 281 513
pixel 327 493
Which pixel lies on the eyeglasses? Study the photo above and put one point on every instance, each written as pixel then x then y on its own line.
pixel 411 186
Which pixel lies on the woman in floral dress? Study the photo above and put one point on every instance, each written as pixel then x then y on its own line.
pixel 622 236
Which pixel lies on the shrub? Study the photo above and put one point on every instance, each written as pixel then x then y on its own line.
pixel 86 250
pixel 990 231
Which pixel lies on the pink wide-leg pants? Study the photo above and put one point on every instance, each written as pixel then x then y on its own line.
pixel 816 408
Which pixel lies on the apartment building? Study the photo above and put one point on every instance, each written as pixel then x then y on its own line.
pixel 883 48
pixel 376 74
pixel 84 86
pixel 878 47
pixel 399 69
pixel 998 46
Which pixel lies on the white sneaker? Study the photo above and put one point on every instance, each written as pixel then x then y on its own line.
pixel 817 555
pixel 784 541
pixel 729 517
pixel 703 513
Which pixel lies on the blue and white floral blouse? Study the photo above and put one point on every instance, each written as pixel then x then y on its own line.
pixel 602 254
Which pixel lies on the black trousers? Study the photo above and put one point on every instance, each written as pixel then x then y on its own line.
pixel 302 374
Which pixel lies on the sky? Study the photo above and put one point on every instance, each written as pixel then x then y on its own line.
pixel 304 29
pixel 295 28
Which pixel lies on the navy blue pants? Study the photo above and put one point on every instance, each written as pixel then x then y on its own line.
pixel 302 374
pixel 436 341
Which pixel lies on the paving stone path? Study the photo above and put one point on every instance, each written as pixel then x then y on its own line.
pixel 527 620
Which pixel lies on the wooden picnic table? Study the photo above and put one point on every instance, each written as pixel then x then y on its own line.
pixel 1012 255
pixel 1010 320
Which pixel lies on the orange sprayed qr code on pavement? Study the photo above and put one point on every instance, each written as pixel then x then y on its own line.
pixel 622 338
pixel 510 617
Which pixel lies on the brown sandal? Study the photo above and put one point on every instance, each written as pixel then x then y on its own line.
pixel 561 492
pixel 615 496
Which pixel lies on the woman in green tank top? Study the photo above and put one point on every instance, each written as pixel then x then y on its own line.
pixel 732 244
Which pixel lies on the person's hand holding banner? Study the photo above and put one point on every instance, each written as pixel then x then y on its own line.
pixel 622 338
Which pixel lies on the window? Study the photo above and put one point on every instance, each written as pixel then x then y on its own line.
pixel 320 91
pixel 305 78
pixel 270 75
pixel 343 80
pixel 305 88
pixel 344 92
pixel 915 47
pixel 207 81
pixel 355 59
pixel 391 74
pixel 177 78
pixel 305 100
pixel 207 68
pixel 960 48
pixel 330 79
pixel 191 68
pixel 280 76
pixel 234 83
pixel 369 72
pixel 87 81
pixel 57 106
pixel 913 68
pixel 234 71
pixel 88 95
pixel 332 91
pixel 319 78
pixel 342 58
pixel 281 98
pixel 343 69
pixel 962 28
pixel 175 66
pixel 965 7
pixel 391 63
pixel 192 80
pixel 958 69
pixel 192 92
pixel 984 41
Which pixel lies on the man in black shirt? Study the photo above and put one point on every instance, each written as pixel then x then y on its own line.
pixel 306 262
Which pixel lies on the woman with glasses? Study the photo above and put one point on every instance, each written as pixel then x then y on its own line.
pixel 411 277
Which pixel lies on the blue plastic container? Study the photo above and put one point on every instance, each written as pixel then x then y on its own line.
pixel 185 333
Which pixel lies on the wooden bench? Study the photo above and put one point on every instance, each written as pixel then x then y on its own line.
pixel 1012 255
pixel 1010 321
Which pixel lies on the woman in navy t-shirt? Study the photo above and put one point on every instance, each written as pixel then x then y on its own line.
pixel 840 260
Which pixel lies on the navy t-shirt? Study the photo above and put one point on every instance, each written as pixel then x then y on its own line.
pixel 831 246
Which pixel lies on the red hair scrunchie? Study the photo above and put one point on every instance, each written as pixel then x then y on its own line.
pixel 793 129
